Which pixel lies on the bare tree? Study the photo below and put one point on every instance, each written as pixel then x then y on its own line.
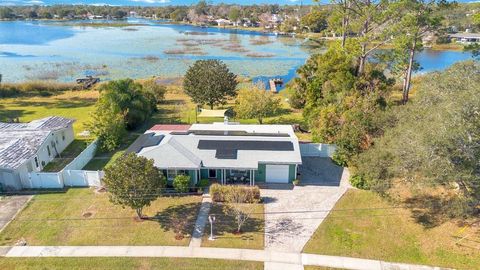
pixel 240 209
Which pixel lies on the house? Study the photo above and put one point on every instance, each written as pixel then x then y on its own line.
pixel 223 22
pixel 466 37
pixel 226 153
pixel 29 147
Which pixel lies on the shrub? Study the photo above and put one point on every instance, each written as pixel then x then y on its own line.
pixel 203 183
pixel 156 89
pixel 222 193
pixel 358 181
pixel 181 183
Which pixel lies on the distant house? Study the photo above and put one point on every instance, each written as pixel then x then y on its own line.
pixel 466 38
pixel 29 147
pixel 223 152
pixel 223 22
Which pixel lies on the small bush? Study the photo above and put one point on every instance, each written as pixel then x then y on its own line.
pixel 221 193
pixel 203 183
pixel 358 181
pixel 181 183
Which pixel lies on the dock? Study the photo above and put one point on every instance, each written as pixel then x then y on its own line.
pixel 273 84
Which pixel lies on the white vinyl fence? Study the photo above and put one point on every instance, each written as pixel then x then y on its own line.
pixel 71 176
pixel 45 180
pixel 317 150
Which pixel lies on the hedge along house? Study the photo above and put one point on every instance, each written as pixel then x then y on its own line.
pixel 226 153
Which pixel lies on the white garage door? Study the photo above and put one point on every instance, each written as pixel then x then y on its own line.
pixel 277 173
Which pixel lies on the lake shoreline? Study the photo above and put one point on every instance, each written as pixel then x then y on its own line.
pixel 118 23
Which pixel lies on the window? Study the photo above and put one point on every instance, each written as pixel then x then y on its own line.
pixel 36 162
pixel 173 173
pixel 212 173
pixel 63 135
pixel 48 150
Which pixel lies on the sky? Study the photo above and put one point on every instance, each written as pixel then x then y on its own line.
pixel 158 2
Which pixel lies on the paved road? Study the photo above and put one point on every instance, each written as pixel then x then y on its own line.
pixel 10 206
pixel 293 215
pixel 295 260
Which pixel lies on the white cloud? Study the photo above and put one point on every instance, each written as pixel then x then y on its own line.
pixel 34 2
pixel 152 1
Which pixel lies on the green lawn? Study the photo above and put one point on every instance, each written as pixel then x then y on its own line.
pixel 84 217
pixel 71 104
pixel 252 236
pixel 391 234
pixel 125 264
pixel 310 267
pixel 67 156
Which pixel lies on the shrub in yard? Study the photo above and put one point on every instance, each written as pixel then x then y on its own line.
pixel 203 183
pixel 221 193
pixel 181 183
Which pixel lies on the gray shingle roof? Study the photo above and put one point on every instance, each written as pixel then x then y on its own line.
pixel 20 141
pixel 186 151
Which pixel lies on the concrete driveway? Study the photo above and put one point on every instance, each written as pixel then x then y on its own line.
pixel 10 206
pixel 293 215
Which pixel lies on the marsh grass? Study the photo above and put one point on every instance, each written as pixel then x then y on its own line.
pixel 261 41
pixel 35 88
pixel 260 55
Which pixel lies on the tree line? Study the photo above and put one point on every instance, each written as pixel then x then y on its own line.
pixel 349 96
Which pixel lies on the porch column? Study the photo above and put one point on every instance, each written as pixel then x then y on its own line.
pixel 224 179
pixel 253 178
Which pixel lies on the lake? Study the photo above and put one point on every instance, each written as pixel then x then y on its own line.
pixel 64 51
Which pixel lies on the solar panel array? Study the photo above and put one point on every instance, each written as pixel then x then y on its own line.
pixel 229 149
pixel 145 140
pixel 229 133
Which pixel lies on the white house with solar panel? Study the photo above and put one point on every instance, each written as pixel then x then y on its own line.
pixel 29 147
pixel 226 153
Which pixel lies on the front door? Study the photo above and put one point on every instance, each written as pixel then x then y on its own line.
pixel 212 173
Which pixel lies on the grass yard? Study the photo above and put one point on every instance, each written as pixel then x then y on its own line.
pixel 67 156
pixel 311 267
pixel 125 264
pixel 392 234
pixel 71 104
pixel 84 217
pixel 225 226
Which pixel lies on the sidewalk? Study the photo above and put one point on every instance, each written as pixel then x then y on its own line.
pixel 271 258
pixel 201 221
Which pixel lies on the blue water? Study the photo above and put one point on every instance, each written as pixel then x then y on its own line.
pixel 65 51
pixel 32 33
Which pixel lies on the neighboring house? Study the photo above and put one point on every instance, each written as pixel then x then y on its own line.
pixel 223 22
pixel 29 147
pixel 223 152
pixel 466 37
